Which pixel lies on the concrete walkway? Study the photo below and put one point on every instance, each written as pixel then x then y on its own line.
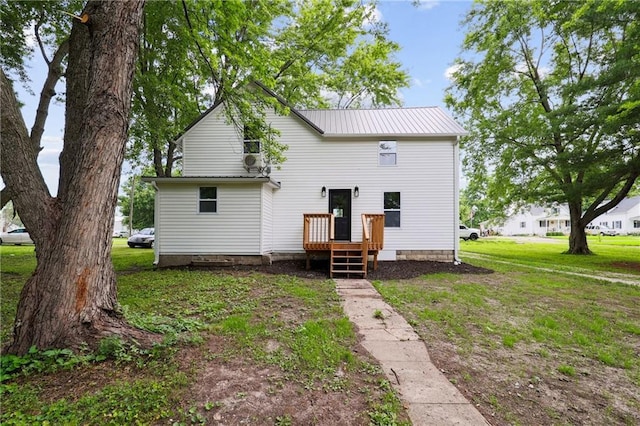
pixel 431 399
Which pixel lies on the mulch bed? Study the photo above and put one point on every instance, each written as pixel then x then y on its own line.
pixel 399 270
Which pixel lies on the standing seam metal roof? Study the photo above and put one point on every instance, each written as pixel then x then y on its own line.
pixel 414 121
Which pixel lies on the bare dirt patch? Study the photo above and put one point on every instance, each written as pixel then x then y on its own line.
pixel 627 266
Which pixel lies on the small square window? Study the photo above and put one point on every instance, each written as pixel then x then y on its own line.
pixel 387 153
pixel 392 209
pixel 208 201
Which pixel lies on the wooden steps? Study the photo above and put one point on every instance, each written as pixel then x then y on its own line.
pixel 346 260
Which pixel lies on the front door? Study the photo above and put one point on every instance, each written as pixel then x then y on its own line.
pixel 340 206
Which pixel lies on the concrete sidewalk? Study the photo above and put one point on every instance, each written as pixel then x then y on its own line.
pixel 431 399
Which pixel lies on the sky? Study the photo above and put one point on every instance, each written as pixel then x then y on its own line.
pixel 429 35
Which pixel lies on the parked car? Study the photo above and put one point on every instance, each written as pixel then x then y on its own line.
pixel 17 237
pixel 600 229
pixel 144 238
pixel 469 233
pixel 120 234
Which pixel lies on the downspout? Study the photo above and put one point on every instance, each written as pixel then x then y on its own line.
pixel 456 201
pixel 156 212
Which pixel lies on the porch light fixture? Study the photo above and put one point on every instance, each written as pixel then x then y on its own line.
pixel 323 192
pixel 356 192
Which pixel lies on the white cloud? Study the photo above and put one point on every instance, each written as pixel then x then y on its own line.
pixel 450 71
pixel 428 4
pixel 30 36
pixel 420 83
pixel 374 15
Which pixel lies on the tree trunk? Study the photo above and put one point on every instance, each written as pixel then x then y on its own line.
pixel 71 297
pixel 578 237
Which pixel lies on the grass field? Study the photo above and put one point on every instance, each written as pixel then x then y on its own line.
pixel 610 254
pixel 530 346
pixel 243 348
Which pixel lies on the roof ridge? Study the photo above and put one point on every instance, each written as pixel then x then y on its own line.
pixel 369 109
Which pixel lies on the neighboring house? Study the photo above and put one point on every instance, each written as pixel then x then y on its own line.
pixel 227 208
pixel 535 220
pixel 624 218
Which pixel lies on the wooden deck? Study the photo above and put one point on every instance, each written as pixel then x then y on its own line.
pixel 347 258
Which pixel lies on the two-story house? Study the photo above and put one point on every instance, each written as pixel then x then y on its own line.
pixel 227 207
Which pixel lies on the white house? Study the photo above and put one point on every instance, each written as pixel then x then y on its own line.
pixel 402 162
pixel 625 217
pixel 535 220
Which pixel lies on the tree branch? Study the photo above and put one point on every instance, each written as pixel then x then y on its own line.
pixel 48 92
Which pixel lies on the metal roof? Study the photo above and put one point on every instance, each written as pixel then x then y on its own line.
pixel 417 121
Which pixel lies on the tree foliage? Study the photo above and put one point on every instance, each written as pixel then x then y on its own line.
pixel 143 203
pixel 550 94
pixel 196 54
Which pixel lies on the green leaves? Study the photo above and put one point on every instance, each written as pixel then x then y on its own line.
pixel 549 93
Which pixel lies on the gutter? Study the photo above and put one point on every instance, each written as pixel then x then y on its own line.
pixel 456 201
pixel 156 212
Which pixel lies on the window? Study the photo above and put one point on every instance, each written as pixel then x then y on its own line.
pixel 567 224
pixel 387 151
pixel 636 224
pixel 392 209
pixel 617 224
pixel 208 201
pixel 251 144
pixel 523 224
pixel 604 224
pixel 543 224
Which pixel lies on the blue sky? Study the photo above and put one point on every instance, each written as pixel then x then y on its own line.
pixel 429 34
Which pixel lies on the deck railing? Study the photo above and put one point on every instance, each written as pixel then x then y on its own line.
pixel 318 231
pixel 372 236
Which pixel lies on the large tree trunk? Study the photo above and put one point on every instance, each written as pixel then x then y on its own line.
pixel 578 237
pixel 71 297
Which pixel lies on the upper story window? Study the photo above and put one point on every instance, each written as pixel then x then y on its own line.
pixel 392 210
pixel 251 144
pixel 208 199
pixel 387 153
pixel 523 224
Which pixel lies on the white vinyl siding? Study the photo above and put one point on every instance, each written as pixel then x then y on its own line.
pixel 251 221
pixel 235 229
pixel 266 239
pixel 425 177
pixel 213 148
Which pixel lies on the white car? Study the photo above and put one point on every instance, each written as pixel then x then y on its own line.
pixel 144 238
pixel 17 237
pixel 600 229
pixel 469 233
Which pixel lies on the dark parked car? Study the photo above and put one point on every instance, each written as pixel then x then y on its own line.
pixel 144 238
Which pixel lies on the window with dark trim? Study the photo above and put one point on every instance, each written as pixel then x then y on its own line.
pixel 387 153
pixel 392 210
pixel 208 199
pixel 523 224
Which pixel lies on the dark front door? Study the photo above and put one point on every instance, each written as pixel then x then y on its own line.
pixel 340 206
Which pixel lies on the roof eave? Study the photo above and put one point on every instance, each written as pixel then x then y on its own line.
pixel 184 180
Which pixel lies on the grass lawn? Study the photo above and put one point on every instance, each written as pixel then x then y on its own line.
pixel 619 254
pixel 238 348
pixel 533 347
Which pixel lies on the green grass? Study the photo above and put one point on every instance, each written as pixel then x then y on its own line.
pixel 609 254
pixel 293 325
pixel 520 319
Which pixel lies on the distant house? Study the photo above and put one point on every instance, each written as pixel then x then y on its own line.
pixel 625 217
pixel 536 220
pixel 229 206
